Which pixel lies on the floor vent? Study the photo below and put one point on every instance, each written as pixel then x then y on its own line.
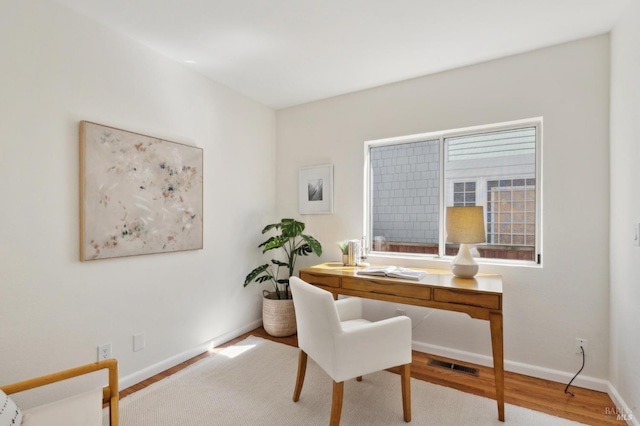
pixel 455 367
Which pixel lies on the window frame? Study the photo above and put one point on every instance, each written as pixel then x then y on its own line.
pixel 536 122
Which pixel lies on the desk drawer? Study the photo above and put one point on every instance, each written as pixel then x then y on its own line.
pixel 415 291
pixel 324 280
pixel 490 301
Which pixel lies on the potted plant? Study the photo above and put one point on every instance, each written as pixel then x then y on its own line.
pixel 344 249
pixel 278 316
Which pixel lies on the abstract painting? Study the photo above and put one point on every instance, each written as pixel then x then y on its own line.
pixel 315 189
pixel 138 194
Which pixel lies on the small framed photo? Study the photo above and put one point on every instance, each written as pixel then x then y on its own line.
pixel 315 189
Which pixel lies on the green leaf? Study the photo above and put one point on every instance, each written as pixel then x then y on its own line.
pixel 273 243
pixel 344 246
pixel 270 227
pixel 292 228
pixel 315 245
pixel 266 242
pixel 253 275
pixel 279 263
pixel 303 250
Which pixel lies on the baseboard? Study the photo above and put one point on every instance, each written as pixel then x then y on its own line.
pixel 515 367
pixel 623 411
pixel 166 364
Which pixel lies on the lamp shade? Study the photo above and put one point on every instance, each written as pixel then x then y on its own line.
pixel 465 225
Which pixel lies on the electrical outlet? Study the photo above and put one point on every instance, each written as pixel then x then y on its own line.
pixel 581 342
pixel 104 351
pixel 401 312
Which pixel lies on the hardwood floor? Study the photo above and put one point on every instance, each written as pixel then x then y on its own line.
pixel 587 406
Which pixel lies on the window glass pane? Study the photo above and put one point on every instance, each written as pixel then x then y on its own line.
pixel 503 163
pixel 464 194
pixel 405 197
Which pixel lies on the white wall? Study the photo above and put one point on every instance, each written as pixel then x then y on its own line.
pixel 545 309
pixel 625 207
pixel 57 68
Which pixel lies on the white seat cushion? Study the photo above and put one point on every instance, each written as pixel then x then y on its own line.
pixel 79 410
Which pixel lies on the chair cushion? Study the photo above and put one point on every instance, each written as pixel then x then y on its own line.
pixel 10 414
pixel 79 410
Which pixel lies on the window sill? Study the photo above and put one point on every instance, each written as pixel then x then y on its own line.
pixel 437 262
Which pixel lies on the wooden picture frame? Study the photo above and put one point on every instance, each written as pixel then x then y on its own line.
pixel 138 194
pixel 315 189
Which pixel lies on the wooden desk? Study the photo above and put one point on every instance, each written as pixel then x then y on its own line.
pixel 479 297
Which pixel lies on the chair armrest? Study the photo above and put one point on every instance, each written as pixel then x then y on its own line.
pixel 110 393
pixel 349 308
pixel 373 347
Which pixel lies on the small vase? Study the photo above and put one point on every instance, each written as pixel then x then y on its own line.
pixel 345 259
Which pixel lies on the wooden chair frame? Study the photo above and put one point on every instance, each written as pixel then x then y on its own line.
pixel 338 390
pixel 110 393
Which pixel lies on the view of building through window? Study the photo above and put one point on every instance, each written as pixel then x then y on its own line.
pixel 493 169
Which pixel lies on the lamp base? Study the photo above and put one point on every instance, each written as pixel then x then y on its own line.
pixel 464 271
pixel 464 265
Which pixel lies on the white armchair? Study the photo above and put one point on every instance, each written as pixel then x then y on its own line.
pixel 80 410
pixel 334 334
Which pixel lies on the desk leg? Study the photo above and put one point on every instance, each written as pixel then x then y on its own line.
pixel 495 320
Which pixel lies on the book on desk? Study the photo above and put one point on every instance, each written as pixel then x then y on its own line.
pixel 393 272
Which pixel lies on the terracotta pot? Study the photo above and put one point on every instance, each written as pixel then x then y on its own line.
pixel 278 315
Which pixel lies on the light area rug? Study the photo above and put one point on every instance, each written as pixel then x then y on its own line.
pixel 251 383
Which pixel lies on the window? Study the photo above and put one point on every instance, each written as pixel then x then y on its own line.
pixel 464 194
pixel 411 180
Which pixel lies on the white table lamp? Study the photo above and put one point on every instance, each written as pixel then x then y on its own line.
pixel 465 225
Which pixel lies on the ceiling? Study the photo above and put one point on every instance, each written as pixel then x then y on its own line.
pixel 288 52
